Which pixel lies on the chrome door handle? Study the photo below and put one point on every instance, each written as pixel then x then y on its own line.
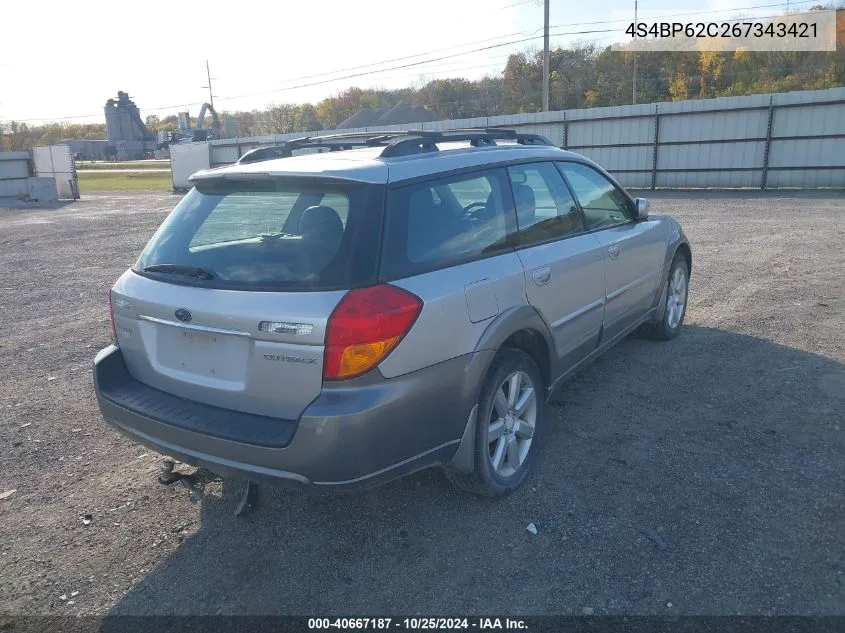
pixel 542 275
pixel 613 251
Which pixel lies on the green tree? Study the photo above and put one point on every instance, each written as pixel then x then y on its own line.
pixel 306 119
pixel 19 136
pixel 522 82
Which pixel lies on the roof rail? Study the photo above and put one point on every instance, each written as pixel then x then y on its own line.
pixel 332 142
pixel 423 141
pixel 395 143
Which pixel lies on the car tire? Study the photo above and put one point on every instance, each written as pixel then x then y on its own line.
pixel 674 302
pixel 506 427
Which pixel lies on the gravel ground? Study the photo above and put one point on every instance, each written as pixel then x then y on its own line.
pixel 700 476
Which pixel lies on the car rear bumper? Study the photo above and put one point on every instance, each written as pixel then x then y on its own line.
pixel 355 434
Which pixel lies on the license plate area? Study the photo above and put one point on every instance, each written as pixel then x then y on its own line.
pixel 202 357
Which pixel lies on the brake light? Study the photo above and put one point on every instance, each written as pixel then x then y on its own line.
pixel 365 327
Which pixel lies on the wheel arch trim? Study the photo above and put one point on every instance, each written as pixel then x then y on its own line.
pixel 679 243
pixel 511 322
pixel 503 327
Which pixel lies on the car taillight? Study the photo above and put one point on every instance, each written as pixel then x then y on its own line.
pixel 365 327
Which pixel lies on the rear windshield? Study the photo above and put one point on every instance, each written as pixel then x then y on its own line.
pixel 275 234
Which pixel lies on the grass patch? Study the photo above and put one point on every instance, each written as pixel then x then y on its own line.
pixel 127 164
pixel 136 181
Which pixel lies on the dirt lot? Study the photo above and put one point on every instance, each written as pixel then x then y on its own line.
pixel 701 476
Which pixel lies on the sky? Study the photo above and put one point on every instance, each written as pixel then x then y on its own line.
pixel 82 52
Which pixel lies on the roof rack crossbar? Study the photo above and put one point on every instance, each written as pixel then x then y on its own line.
pixel 422 141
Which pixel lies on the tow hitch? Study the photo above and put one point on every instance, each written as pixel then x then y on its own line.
pixel 196 481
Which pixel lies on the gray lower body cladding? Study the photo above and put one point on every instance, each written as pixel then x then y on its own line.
pixel 355 434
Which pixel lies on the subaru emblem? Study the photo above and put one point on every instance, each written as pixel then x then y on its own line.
pixel 184 314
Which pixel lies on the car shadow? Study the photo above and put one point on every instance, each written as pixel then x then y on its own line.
pixel 702 475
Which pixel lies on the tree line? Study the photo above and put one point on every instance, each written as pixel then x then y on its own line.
pixel 585 75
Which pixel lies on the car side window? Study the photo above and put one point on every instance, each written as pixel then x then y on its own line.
pixel 437 222
pixel 545 208
pixel 603 204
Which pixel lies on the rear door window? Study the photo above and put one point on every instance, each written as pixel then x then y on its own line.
pixel 280 234
pixel 449 220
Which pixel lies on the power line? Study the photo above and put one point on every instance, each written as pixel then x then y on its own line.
pixel 675 15
pixel 406 57
pixel 420 63
pixel 517 4
pixel 88 116
pixel 447 68
pixel 410 65
pixel 526 33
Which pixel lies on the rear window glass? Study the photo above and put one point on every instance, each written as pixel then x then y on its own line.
pixel 445 221
pixel 275 234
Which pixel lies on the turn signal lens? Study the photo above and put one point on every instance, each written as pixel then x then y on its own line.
pixel 365 327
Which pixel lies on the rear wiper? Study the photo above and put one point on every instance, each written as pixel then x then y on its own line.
pixel 179 269
pixel 276 236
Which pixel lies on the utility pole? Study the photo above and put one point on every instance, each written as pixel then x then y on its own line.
pixel 634 88
pixel 210 94
pixel 546 56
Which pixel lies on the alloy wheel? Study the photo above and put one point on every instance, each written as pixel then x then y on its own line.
pixel 512 422
pixel 677 297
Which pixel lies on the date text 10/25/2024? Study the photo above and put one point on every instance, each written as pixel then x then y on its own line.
pixel 419 624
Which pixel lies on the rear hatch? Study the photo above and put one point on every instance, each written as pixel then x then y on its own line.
pixel 228 303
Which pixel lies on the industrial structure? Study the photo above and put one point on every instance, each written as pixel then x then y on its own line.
pixel 128 137
pixel 88 149
pixel 188 134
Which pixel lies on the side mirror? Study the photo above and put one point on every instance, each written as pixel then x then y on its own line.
pixel 642 208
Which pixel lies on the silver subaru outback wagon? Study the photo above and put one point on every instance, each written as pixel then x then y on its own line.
pixel 337 319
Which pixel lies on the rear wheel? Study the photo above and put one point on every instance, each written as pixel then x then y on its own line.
pixel 510 412
pixel 675 305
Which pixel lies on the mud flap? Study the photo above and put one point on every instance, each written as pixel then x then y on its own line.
pixel 249 499
pixel 464 459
